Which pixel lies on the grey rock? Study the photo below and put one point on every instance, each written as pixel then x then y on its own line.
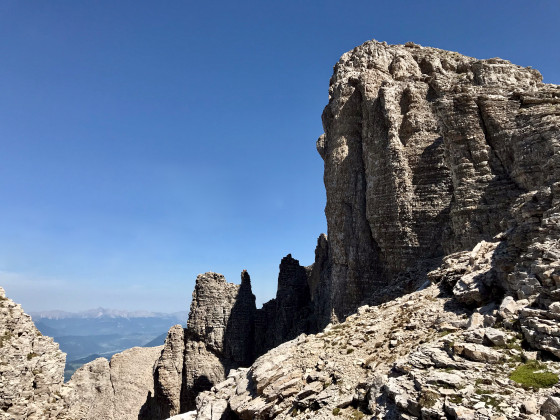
pixel 551 408
pixel 497 337
pixel 31 367
pixel 168 375
pixel 477 353
pixel 289 314
pixel 530 406
pixel 115 390
pixel 425 155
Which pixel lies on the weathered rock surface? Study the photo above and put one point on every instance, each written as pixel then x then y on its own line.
pixel 418 356
pixel 115 390
pixel 290 313
pixel 428 152
pixel 168 376
pixel 225 331
pixel 31 367
pixel 438 168
pixel 32 376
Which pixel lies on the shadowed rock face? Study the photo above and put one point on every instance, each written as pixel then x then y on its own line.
pixel 427 152
pixel 226 331
pixel 219 333
pixel 290 313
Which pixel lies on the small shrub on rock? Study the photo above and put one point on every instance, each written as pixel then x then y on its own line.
pixel 534 374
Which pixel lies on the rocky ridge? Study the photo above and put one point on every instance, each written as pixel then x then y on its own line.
pixel 226 331
pixel 423 355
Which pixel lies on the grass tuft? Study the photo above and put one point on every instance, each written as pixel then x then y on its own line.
pixel 534 374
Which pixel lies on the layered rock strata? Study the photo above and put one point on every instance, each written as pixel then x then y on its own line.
pixel 428 152
pixel 442 169
pixel 226 331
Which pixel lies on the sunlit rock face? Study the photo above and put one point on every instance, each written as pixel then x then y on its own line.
pixel 428 152
pixel 31 367
pixel 115 389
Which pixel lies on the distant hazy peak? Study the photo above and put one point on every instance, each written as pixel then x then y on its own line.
pixel 106 313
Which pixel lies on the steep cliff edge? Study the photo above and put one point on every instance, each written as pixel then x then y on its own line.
pixel 428 152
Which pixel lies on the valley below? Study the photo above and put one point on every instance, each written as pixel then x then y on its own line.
pixel 87 335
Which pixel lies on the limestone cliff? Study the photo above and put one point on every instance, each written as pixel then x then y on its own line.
pixel 428 152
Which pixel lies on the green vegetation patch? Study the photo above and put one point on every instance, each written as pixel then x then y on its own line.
pixel 534 374
pixel 428 399
pixel 6 337
pixel 31 356
pixel 357 415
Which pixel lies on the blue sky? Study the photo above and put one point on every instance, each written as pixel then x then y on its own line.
pixel 144 142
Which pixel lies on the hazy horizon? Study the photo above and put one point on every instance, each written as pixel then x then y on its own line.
pixel 144 144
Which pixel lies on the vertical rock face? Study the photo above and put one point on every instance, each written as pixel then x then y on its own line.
pixel 219 332
pixel 168 375
pixel 290 313
pixel 218 337
pixel 428 152
pixel 226 331
pixel 31 367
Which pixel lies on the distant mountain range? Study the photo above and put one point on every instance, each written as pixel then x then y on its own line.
pixel 93 333
pixel 107 313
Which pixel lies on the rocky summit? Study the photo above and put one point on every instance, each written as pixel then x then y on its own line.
pixel 435 294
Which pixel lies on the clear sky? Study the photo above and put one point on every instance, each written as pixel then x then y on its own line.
pixel 144 142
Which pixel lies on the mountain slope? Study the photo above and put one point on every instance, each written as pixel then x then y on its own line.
pixel 441 169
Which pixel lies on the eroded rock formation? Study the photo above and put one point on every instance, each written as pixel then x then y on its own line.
pixel 290 313
pixel 226 331
pixel 31 367
pixel 442 169
pixel 428 152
